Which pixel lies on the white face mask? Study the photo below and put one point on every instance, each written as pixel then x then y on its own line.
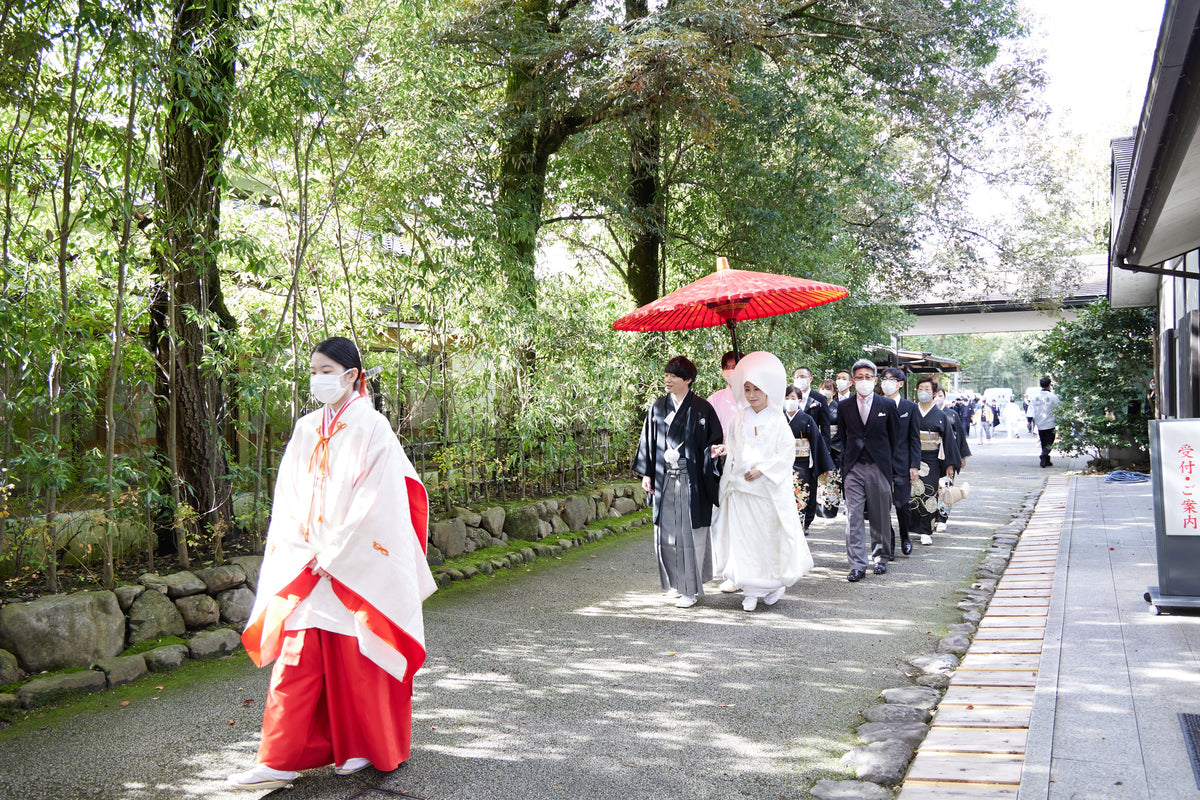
pixel 939 401
pixel 803 383
pixel 791 405
pixel 889 386
pixel 865 386
pixel 924 397
pixel 842 384
pixel 827 395
pixel 327 389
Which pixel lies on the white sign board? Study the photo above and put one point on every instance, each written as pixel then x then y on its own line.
pixel 1179 462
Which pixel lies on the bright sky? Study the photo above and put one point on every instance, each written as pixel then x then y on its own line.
pixel 1098 58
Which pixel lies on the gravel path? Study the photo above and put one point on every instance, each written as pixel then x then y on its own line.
pixel 578 679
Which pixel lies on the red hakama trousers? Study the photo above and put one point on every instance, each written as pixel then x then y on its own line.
pixel 329 703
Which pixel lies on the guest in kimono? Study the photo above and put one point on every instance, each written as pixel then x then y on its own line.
pixel 338 607
pixel 722 400
pixel 964 450
pixel 939 457
pixel 829 484
pixel 812 456
pixel 910 454
pixel 675 459
pixel 767 551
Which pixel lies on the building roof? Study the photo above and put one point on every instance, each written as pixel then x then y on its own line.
pixel 1126 289
pixel 909 360
pixel 1159 202
pixel 994 313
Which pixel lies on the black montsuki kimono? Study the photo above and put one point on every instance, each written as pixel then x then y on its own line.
pixel 684 495
pixel 939 450
pixel 964 447
pixel 807 466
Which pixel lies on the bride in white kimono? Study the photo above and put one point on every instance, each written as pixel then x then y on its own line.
pixel 764 548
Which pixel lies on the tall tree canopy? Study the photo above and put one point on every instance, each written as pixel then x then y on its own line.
pixel 771 132
pixel 196 193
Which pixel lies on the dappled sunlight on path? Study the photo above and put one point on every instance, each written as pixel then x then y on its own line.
pixel 581 680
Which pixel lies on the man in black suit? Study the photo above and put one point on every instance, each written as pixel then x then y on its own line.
pixel 892 378
pixel 812 402
pixel 816 406
pixel 869 431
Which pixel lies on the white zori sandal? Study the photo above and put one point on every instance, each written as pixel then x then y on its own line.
pixel 262 777
pixel 351 766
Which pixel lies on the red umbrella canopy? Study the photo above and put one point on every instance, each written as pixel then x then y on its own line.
pixel 729 296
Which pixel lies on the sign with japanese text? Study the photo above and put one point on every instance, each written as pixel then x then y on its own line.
pixel 1178 458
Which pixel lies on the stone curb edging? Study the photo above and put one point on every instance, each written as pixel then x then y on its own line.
pixel 182 597
pixel 547 548
pixel 109 673
pixel 895 729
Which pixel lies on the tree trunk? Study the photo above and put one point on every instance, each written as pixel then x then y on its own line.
pixel 114 367
pixel 646 206
pixel 56 369
pixel 647 211
pixel 196 126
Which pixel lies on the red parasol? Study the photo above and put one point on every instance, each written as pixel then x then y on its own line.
pixel 727 297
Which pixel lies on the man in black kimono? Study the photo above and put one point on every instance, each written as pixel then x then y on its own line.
pixel 674 458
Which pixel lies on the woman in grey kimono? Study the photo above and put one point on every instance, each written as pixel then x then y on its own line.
pixel 674 458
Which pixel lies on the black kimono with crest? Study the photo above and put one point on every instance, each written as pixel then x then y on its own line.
pixel 693 430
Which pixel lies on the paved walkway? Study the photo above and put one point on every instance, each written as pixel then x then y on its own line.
pixel 579 680
pixel 1071 688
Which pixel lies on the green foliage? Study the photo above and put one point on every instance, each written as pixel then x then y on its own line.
pixel 1102 363
pixel 449 184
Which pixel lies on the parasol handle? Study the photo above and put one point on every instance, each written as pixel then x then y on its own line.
pixel 731 323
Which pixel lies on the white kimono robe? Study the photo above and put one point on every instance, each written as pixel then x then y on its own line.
pixel 349 501
pixel 759 527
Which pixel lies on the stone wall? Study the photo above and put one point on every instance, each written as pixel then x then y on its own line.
pixel 467 531
pixel 90 629
pixel 79 539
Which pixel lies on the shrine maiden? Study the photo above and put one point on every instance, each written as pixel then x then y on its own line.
pixel 338 607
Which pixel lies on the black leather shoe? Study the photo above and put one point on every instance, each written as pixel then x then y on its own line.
pixel 906 547
pixel 881 568
pixel 856 575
